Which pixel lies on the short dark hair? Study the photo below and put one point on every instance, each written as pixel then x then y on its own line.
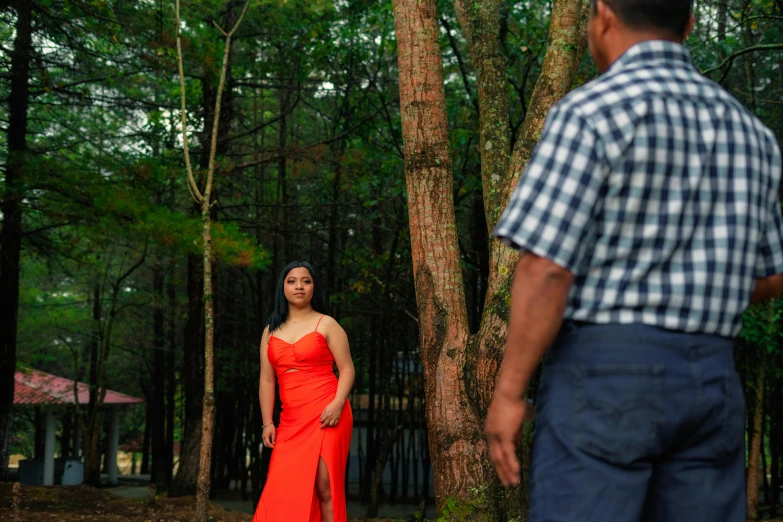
pixel 669 16
pixel 280 311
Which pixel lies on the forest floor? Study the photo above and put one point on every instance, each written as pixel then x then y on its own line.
pixel 88 504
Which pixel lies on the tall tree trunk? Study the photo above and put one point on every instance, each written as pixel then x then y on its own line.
pixel 566 46
pixel 754 452
pixel 158 406
pixel 443 323
pixel 11 232
pixel 460 370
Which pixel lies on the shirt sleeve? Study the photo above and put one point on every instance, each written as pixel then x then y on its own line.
pixel 550 213
pixel 770 258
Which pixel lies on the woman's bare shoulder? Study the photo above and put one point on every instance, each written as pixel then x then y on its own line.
pixel 329 324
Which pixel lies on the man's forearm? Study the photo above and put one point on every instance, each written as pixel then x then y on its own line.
pixel 539 294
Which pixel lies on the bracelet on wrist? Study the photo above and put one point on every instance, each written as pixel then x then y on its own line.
pixel 265 425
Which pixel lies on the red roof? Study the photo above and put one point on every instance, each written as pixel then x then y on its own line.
pixel 34 387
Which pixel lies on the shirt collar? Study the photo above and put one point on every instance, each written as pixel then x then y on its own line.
pixel 653 51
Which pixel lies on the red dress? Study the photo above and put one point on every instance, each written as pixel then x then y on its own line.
pixel 289 494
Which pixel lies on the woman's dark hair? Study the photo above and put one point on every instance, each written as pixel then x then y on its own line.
pixel 280 311
pixel 667 16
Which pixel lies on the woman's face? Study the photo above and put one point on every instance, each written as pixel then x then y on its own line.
pixel 298 287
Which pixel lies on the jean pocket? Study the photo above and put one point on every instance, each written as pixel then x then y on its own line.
pixel 731 435
pixel 617 411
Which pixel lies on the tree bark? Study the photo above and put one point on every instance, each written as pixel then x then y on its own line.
pixel 460 369
pixel 566 46
pixel 480 23
pixel 11 232
pixel 455 445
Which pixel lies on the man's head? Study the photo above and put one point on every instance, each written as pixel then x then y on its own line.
pixel 616 25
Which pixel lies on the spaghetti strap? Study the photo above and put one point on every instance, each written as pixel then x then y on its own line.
pixel 319 322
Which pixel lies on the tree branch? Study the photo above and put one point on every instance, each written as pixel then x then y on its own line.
pixel 194 191
pixel 460 62
pixel 730 59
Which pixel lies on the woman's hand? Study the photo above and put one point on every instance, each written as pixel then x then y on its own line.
pixel 331 415
pixel 268 436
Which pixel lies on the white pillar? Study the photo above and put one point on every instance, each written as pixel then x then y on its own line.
pixel 114 443
pixel 48 475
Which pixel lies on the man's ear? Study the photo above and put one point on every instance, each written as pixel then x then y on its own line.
pixel 604 16
pixel 689 27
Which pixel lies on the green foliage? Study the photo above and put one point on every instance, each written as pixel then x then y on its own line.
pixel 761 325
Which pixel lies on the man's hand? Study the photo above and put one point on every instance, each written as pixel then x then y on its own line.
pixel 539 294
pixel 504 430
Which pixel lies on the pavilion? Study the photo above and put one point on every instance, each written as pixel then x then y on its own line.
pixel 50 392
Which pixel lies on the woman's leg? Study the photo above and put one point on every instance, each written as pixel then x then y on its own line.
pixel 324 491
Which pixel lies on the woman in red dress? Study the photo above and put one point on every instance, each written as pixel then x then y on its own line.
pixel 299 349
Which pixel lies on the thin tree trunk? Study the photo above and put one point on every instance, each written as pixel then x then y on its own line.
pixel 39 435
pixel 171 378
pixel 208 412
pixel 755 445
pixel 92 441
pixel 158 406
pixel 11 231
pixel 370 426
pixel 388 442
pixel 775 434
pixel 91 461
pixel 65 439
pixel 145 444
pixel 192 383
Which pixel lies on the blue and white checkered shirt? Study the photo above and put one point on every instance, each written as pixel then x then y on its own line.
pixel 658 191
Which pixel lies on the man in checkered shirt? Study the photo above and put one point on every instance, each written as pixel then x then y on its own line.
pixel 650 219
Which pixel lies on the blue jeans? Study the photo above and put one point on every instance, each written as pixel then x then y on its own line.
pixel 638 424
